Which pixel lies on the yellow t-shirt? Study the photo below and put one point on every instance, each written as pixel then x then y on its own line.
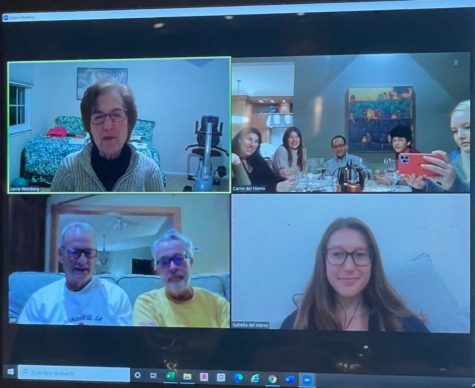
pixel 204 309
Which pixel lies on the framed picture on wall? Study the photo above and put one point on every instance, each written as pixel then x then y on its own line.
pixel 87 76
pixel 373 112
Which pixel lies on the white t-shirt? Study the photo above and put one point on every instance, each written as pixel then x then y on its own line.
pixel 100 302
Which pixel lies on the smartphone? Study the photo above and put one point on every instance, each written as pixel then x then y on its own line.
pixel 411 164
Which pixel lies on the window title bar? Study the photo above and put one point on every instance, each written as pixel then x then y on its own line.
pixel 235 10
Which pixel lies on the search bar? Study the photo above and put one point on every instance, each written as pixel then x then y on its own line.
pixel 73 373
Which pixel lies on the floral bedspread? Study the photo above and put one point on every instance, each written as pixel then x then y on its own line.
pixel 44 154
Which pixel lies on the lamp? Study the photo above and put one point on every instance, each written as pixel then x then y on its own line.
pixel 103 258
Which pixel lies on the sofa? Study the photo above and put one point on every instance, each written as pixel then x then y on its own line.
pixel 21 285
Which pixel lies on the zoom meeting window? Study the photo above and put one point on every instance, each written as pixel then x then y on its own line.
pixel 302 211
pixel 336 251
pixel 108 259
pixel 406 130
pixel 64 138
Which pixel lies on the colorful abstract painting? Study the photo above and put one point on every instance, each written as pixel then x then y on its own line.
pixel 373 112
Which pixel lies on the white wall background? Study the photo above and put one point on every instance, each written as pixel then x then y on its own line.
pixel 172 92
pixel 438 85
pixel 274 241
pixel 204 218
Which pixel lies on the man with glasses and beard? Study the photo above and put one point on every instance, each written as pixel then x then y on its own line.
pixel 79 298
pixel 178 304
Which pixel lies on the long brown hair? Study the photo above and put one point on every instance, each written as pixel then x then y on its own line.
pixel 285 142
pixel 235 142
pixel 318 307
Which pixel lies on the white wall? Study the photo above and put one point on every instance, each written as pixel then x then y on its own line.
pixel 173 93
pixel 204 218
pixel 16 143
pixel 274 241
pixel 438 86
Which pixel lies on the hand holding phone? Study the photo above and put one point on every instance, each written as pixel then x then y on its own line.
pixel 435 167
pixel 413 164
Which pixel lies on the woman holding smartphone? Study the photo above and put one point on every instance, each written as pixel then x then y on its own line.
pixel 451 175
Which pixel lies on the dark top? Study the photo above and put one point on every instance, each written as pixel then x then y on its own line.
pixel 262 174
pixel 109 171
pixel 410 323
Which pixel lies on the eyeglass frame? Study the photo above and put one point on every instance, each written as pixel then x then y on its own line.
pixel 182 256
pixel 338 146
pixel 81 252
pixel 326 251
pixel 110 116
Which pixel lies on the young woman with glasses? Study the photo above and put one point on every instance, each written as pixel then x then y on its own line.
pixel 109 162
pixel 348 289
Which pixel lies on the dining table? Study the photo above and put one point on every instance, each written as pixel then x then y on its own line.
pixel 318 183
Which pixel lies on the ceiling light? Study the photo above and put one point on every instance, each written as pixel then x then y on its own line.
pixel 159 25
pixel 120 224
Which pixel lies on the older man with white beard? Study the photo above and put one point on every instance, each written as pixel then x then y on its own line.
pixel 178 304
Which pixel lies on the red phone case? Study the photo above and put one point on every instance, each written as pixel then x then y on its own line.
pixel 411 164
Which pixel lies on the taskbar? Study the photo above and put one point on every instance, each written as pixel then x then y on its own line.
pixel 164 376
pixel 225 378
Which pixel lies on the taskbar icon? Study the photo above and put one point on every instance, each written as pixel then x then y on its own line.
pixel 10 372
pixel 217 377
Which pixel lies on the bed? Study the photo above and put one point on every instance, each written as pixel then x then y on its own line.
pixel 42 156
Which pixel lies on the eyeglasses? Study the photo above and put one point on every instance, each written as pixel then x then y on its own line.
pixel 338 256
pixel 116 115
pixel 177 259
pixel 338 145
pixel 75 254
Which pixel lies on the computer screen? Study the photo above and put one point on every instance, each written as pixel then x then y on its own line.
pixel 252 194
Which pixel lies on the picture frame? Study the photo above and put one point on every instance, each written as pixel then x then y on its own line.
pixel 87 76
pixel 373 111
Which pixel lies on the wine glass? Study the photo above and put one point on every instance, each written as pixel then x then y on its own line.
pixel 301 182
pixel 316 166
pixel 379 171
pixel 366 170
pixel 390 171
